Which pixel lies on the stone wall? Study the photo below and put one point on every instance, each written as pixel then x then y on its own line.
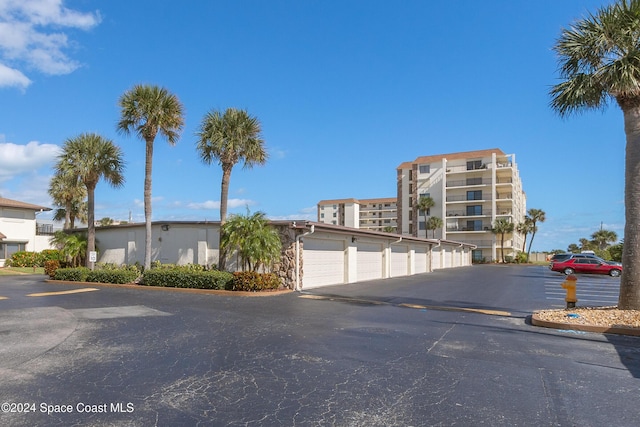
pixel 286 268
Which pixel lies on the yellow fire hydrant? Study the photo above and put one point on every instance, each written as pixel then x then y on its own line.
pixel 570 286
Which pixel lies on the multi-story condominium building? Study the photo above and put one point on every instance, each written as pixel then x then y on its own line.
pixel 471 190
pixel 372 214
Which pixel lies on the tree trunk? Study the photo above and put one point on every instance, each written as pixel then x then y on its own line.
pixel 147 203
pixel 224 196
pixel 629 298
pixel 91 226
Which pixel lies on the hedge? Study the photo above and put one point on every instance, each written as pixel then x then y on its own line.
pixel 78 274
pixel 185 278
pixel 113 276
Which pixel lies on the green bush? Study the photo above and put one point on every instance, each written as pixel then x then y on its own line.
pixel 78 274
pixel 252 281
pixel 51 255
pixel 24 259
pixel 181 277
pixel 122 275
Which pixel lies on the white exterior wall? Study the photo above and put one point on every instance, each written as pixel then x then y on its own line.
pixel 19 226
pixel 352 215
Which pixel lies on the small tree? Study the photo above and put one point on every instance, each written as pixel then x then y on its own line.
pixel 256 242
pixel 434 223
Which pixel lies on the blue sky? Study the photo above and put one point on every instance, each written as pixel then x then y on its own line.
pixel 345 90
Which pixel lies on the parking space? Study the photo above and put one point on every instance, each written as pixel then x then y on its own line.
pixel 591 289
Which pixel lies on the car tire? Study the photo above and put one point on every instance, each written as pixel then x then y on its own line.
pixel 568 271
pixel 614 273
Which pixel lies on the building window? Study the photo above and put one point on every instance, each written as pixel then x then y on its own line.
pixel 322 215
pixel 475 225
pixel 474 195
pixel 424 168
pixel 335 215
pixel 9 248
pixel 476 255
pixel 474 210
pixel 474 181
pixel 474 165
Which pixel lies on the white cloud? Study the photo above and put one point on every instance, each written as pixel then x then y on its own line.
pixel 231 204
pixel 30 35
pixel 21 159
pixel 12 77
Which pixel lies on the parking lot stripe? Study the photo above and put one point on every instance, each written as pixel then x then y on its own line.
pixel 72 291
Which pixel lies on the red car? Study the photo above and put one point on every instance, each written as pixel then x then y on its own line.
pixel 586 265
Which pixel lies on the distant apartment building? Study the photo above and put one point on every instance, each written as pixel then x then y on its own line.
pixel 371 214
pixel 471 190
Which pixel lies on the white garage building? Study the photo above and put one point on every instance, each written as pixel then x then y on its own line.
pixel 314 254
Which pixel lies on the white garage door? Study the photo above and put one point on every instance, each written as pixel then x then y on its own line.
pixel 420 260
pixel 323 262
pixel 435 260
pixel 448 258
pixel 399 261
pixel 369 261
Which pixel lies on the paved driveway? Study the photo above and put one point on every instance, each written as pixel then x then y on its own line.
pixel 447 348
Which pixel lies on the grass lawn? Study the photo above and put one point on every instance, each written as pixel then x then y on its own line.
pixel 6 271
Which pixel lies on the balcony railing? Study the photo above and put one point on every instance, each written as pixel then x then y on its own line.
pixel 485 212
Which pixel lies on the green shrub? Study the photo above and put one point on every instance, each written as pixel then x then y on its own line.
pixel 50 267
pixel 78 274
pixel 51 255
pixel 252 281
pixel 24 259
pixel 122 275
pixel 180 277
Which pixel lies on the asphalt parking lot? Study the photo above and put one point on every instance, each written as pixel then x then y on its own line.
pixel 446 348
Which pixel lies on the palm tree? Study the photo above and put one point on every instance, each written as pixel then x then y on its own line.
pixel 502 226
pixel 525 228
pixel 535 216
pixel 602 238
pixel 91 157
pixel 230 138
pixel 69 193
pixel 257 243
pixel 148 111
pixel 434 223
pixel 424 204
pixel 599 58
pixel 72 246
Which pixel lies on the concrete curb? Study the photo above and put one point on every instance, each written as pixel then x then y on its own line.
pixel 585 328
pixel 169 289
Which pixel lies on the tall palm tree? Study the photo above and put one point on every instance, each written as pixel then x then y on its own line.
pixel 525 228
pixel 535 216
pixel 599 58
pixel 69 193
pixel 230 137
pixel 148 111
pixel 424 204
pixel 502 226
pixel 91 157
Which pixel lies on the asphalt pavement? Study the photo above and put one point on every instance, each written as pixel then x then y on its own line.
pixel 452 347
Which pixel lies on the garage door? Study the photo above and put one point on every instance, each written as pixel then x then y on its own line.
pixel 369 261
pixel 399 261
pixel 420 260
pixel 436 254
pixel 323 262
pixel 448 258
